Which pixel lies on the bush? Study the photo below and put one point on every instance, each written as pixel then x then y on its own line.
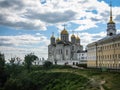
pixel 82 65
pixel 47 64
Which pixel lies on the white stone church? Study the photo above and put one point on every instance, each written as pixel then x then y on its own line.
pixel 62 50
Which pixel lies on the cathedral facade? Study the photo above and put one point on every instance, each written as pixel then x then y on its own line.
pixel 62 49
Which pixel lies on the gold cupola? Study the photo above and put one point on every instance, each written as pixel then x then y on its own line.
pixel 58 39
pixel 73 36
pixel 64 35
pixel 64 31
pixel 77 38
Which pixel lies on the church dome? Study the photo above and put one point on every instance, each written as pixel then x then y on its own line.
pixel 64 31
pixel 77 38
pixel 111 22
pixel 58 39
pixel 73 36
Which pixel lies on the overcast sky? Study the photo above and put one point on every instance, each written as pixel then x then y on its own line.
pixel 26 25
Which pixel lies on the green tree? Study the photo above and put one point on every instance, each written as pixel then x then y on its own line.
pixel 12 61
pixel 13 68
pixel 2 70
pixel 29 58
pixel 47 64
pixel 2 61
pixel 15 60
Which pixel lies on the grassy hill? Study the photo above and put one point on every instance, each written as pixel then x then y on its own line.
pixel 47 81
pixel 61 78
pixel 98 80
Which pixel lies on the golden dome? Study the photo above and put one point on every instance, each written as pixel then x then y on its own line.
pixel 64 31
pixel 111 21
pixel 58 39
pixel 73 36
pixel 77 38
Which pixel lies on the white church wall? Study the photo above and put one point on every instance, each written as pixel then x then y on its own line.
pixel 67 62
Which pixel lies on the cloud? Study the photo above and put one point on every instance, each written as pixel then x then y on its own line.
pixel 23 40
pixel 117 18
pixel 37 15
pixel 95 19
pixel 12 15
pixel 90 37
pixel 16 4
pixel 54 17
pixel 21 45
pixel 21 52
pixel 118 31
pixel 85 24
pixel 21 23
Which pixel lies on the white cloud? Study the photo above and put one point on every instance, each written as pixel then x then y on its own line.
pixel 87 38
pixel 21 52
pixel 32 15
pixel 23 40
pixel 85 24
pixel 118 31
pixel 23 44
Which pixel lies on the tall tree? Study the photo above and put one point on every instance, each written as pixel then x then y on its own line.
pixel 28 59
pixel 2 61
pixel 15 60
pixel 14 66
pixel 2 71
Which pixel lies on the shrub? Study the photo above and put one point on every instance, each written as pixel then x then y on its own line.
pixel 47 64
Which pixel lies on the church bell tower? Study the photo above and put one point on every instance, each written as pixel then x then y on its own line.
pixel 111 29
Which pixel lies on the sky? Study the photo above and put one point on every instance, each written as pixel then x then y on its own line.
pixel 27 25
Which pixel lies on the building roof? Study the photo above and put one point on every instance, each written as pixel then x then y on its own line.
pixel 109 38
pixel 60 42
pixel 67 43
pixel 106 39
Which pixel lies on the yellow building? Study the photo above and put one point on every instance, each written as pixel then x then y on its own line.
pixel 105 52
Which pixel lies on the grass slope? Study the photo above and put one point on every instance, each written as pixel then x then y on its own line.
pixel 61 78
pixel 47 81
